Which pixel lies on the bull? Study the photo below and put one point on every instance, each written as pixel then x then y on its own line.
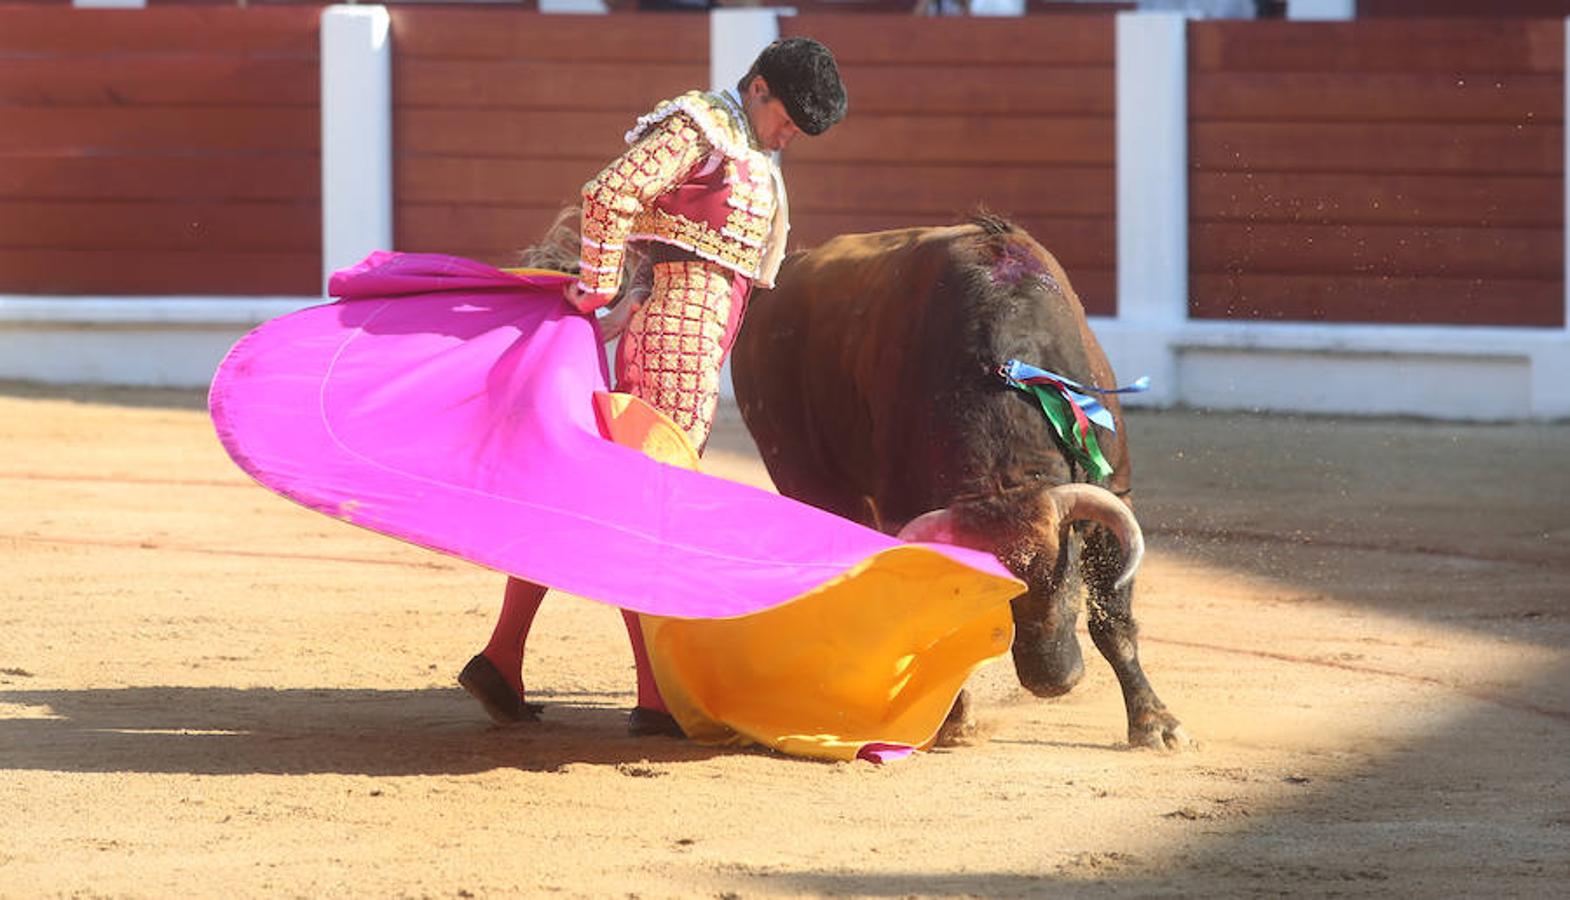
pixel 869 379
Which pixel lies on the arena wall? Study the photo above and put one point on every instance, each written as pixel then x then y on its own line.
pixel 168 151
pixel 1014 115
pixel 500 117
pixel 1325 216
pixel 1377 171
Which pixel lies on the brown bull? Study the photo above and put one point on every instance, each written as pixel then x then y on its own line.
pixel 868 378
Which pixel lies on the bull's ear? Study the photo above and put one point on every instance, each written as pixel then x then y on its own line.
pixel 936 527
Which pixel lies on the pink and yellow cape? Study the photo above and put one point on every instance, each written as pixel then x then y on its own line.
pixel 466 409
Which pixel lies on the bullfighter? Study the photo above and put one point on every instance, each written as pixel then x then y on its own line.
pixel 699 194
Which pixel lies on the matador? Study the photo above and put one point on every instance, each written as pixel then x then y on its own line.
pixel 699 195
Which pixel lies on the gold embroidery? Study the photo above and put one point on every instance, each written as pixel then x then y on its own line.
pixel 667 144
pixel 674 344
pixel 614 197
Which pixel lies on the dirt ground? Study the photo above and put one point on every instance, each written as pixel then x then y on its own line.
pixel 205 690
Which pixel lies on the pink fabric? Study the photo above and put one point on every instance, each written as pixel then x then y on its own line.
pixel 880 753
pixel 449 404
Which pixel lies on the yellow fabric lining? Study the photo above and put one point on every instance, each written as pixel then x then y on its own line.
pixel 875 655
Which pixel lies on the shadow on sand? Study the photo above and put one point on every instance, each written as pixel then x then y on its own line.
pixel 233 731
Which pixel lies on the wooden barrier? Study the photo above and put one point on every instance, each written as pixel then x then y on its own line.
pixel 1378 171
pixel 500 117
pixel 1493 9
pixel 159 151
pixel 951 115
pixel 1405 171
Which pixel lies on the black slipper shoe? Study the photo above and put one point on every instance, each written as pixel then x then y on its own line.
pixel 645 722
pixel 485 683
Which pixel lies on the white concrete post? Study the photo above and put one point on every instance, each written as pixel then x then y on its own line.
pixel 1152 199
pixel 999 8
pixel 1551 364
pixel 574 7
pixel 1565 265
pixel 357 188
pixel 1321 10
pixel 736 37
pixel 1152 167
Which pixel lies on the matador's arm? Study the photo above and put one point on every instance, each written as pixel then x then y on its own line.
pixel 658 162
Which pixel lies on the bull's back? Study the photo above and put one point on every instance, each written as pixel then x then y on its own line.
pixel 812 365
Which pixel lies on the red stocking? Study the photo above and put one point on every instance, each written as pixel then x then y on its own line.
pixel 648 691
pixel 519 604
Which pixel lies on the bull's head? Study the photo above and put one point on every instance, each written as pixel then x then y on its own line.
pixel 1028 533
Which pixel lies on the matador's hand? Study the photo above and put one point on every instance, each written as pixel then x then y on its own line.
pixel 584 301
pixel 615 322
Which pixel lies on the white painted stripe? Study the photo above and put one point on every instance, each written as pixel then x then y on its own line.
pixel 121 311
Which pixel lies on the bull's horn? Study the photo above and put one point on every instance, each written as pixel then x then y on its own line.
pixel 936 527
pixel 1087 502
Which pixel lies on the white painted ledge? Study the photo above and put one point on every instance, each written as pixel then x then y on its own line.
pixel 144 341
pixel 1441 372
pixel 198 312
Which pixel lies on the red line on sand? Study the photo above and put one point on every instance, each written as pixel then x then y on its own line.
pixel 220 551
pixel 1426 680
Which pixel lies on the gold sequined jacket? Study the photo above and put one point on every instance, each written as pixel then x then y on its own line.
pixel 692 179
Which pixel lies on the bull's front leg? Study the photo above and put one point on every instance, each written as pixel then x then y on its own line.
pixel 1115 633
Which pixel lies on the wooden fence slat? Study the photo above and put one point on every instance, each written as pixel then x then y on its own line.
pixel 160 178
pixel 952 189
pixel 1410 300
pixel 1397 251
pixel 1077 243
pixel 1005 43
pixel 143 272
pixel 1377 97
pixel 954 89
pixel 979 140
pixel 492 231
pixel 593 136
pixel 918 89
pixel 1497 8
pixel 1494 46
pixel 507 34
pixel 506 229
pixel 1397 148
pixel 485 182
pixel 1440 200
pixel 106 225
pixel 523 85
pixel 33 131
pixel 160 80
pixel 257 31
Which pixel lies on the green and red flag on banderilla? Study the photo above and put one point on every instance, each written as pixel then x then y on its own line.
pixel 1071 409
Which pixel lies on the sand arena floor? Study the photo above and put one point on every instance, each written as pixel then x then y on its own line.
pixel 207 691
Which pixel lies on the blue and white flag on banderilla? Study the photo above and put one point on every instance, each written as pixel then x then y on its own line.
pixel 1025 373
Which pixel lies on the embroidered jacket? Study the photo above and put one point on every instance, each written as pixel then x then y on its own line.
pixel 691 179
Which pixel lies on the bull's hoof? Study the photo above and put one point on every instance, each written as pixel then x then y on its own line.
pixel 1158 731
pixel 486 684
pixel 960 727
